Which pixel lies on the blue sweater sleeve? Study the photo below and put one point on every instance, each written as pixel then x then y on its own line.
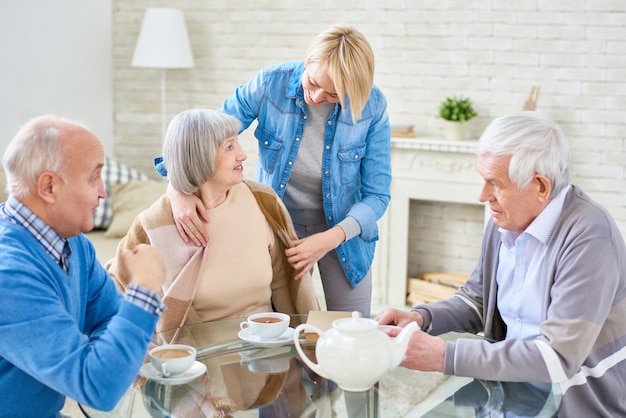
pixel 65 334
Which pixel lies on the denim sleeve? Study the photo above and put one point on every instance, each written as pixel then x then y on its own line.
pixel 245 101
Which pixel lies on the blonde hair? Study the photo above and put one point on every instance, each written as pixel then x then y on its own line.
pixel 349 61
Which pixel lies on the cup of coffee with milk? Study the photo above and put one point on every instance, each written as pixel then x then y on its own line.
pixel 267 325
pixel 172 359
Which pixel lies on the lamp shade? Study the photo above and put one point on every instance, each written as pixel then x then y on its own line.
pixel 163 40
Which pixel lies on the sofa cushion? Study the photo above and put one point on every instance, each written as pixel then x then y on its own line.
pixel 128 199
pixel 113 173
pixel 105 247
pixel 3 186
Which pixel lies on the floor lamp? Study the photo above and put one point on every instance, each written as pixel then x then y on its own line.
pixel 163 43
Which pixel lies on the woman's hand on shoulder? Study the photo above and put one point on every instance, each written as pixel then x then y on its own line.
pixel 307 251
pixel 189 216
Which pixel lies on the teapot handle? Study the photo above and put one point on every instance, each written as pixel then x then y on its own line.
pixel 313 366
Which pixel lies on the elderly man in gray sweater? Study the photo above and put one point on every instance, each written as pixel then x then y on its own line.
pixel 550 284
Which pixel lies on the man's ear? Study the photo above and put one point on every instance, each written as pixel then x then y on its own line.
pixel 47 186
pixel 544 187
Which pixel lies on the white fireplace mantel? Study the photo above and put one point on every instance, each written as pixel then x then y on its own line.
pixel 429 169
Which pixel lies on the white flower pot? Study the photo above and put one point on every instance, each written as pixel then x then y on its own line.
pixel 455 130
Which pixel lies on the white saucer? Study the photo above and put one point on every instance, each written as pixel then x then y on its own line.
pixel 285 338
pixel 149 372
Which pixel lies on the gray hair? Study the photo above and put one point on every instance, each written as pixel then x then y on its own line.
pixel 35 150
pixel 190 146
pixel 535 144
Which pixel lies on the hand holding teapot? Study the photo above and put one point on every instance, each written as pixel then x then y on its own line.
pixel 355 353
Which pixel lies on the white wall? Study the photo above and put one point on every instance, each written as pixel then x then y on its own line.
pixel 56 58
pixel 491 51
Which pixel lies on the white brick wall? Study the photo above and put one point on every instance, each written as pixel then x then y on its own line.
pixel 492 52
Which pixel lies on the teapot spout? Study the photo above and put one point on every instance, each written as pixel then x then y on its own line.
pixel 402 342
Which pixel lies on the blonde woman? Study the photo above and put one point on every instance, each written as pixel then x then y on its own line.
pixel 324 147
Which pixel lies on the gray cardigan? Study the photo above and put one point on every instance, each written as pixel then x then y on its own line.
pixel 582 342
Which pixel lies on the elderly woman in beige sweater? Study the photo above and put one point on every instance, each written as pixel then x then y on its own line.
pixel 243 269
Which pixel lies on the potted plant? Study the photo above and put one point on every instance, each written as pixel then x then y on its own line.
pixel 456 111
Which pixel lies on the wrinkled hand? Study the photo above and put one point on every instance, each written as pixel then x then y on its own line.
pixel 425 353
pixel 392 316
pixel 189 215
pixel 308 251
pixel 145 266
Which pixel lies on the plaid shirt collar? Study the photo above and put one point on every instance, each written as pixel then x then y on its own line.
pixel 53 243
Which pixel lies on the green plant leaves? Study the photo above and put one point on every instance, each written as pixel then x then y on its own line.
pixel 457 109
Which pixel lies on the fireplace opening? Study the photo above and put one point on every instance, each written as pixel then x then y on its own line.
pixel 444 236
pixel 443 247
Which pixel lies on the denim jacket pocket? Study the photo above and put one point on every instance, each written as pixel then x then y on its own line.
pixel 350 162
pixel 269 149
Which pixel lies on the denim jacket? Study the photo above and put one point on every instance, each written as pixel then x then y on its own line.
pixel 356 166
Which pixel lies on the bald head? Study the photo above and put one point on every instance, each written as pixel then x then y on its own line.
pixel 49 163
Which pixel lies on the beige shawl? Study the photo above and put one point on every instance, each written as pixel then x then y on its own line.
pixel 181 289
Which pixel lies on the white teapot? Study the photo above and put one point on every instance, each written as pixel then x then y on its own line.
pixel 355 353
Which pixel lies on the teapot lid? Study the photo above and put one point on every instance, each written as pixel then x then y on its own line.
pixel 355 324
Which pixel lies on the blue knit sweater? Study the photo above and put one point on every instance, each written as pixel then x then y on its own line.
pixel 63 334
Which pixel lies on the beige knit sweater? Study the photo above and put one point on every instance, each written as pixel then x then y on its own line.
pixel 185 262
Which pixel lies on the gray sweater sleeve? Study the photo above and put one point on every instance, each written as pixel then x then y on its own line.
pixel 351 227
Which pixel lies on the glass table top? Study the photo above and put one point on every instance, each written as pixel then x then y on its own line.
pixel 245 380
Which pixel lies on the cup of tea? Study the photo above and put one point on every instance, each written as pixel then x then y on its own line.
pixel 267 325
pixel 172 359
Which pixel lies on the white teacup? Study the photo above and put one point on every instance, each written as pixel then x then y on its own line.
pixel 267 325
pixel 173 359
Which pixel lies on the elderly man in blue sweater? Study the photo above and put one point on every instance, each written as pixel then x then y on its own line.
pixel 65 329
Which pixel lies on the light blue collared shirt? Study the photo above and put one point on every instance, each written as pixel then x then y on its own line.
pixel 520 282
pixel 55 244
